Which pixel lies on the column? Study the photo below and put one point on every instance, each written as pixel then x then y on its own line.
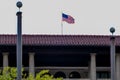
pixel 118 66
pixel 5 59
pixel 31 64
pixel 93 67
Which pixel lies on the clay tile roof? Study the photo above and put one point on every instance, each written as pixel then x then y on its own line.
pixel 60 40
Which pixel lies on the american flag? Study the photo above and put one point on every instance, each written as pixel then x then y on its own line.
pixel 67 18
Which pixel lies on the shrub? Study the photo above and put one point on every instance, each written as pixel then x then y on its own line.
pixel 11 74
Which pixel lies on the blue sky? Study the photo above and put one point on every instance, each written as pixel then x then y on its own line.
pixel 92 17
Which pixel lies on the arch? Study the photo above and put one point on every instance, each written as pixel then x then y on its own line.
pixel 60 74
pixel 74 74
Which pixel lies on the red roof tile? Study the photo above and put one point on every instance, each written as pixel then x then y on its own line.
pixel 62 40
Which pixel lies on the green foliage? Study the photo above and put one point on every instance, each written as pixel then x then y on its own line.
pixel 11 74
pixel 8 74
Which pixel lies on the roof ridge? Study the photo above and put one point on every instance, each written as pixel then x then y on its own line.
pixel 59 35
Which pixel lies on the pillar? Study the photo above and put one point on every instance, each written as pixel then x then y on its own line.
pixel 31 64
pixel 118 66
pixel 5 59
pixel 93 67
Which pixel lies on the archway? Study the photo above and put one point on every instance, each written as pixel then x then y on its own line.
pixel 74 74
pixel 60 74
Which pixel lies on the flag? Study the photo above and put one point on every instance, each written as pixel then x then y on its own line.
pixel 67 18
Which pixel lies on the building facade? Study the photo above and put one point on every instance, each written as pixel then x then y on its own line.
pixel 67 56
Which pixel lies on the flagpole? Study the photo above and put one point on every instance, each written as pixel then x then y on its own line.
pixel 62 27
pixel 61 24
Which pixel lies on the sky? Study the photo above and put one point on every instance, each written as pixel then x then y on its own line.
pixel 92 17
